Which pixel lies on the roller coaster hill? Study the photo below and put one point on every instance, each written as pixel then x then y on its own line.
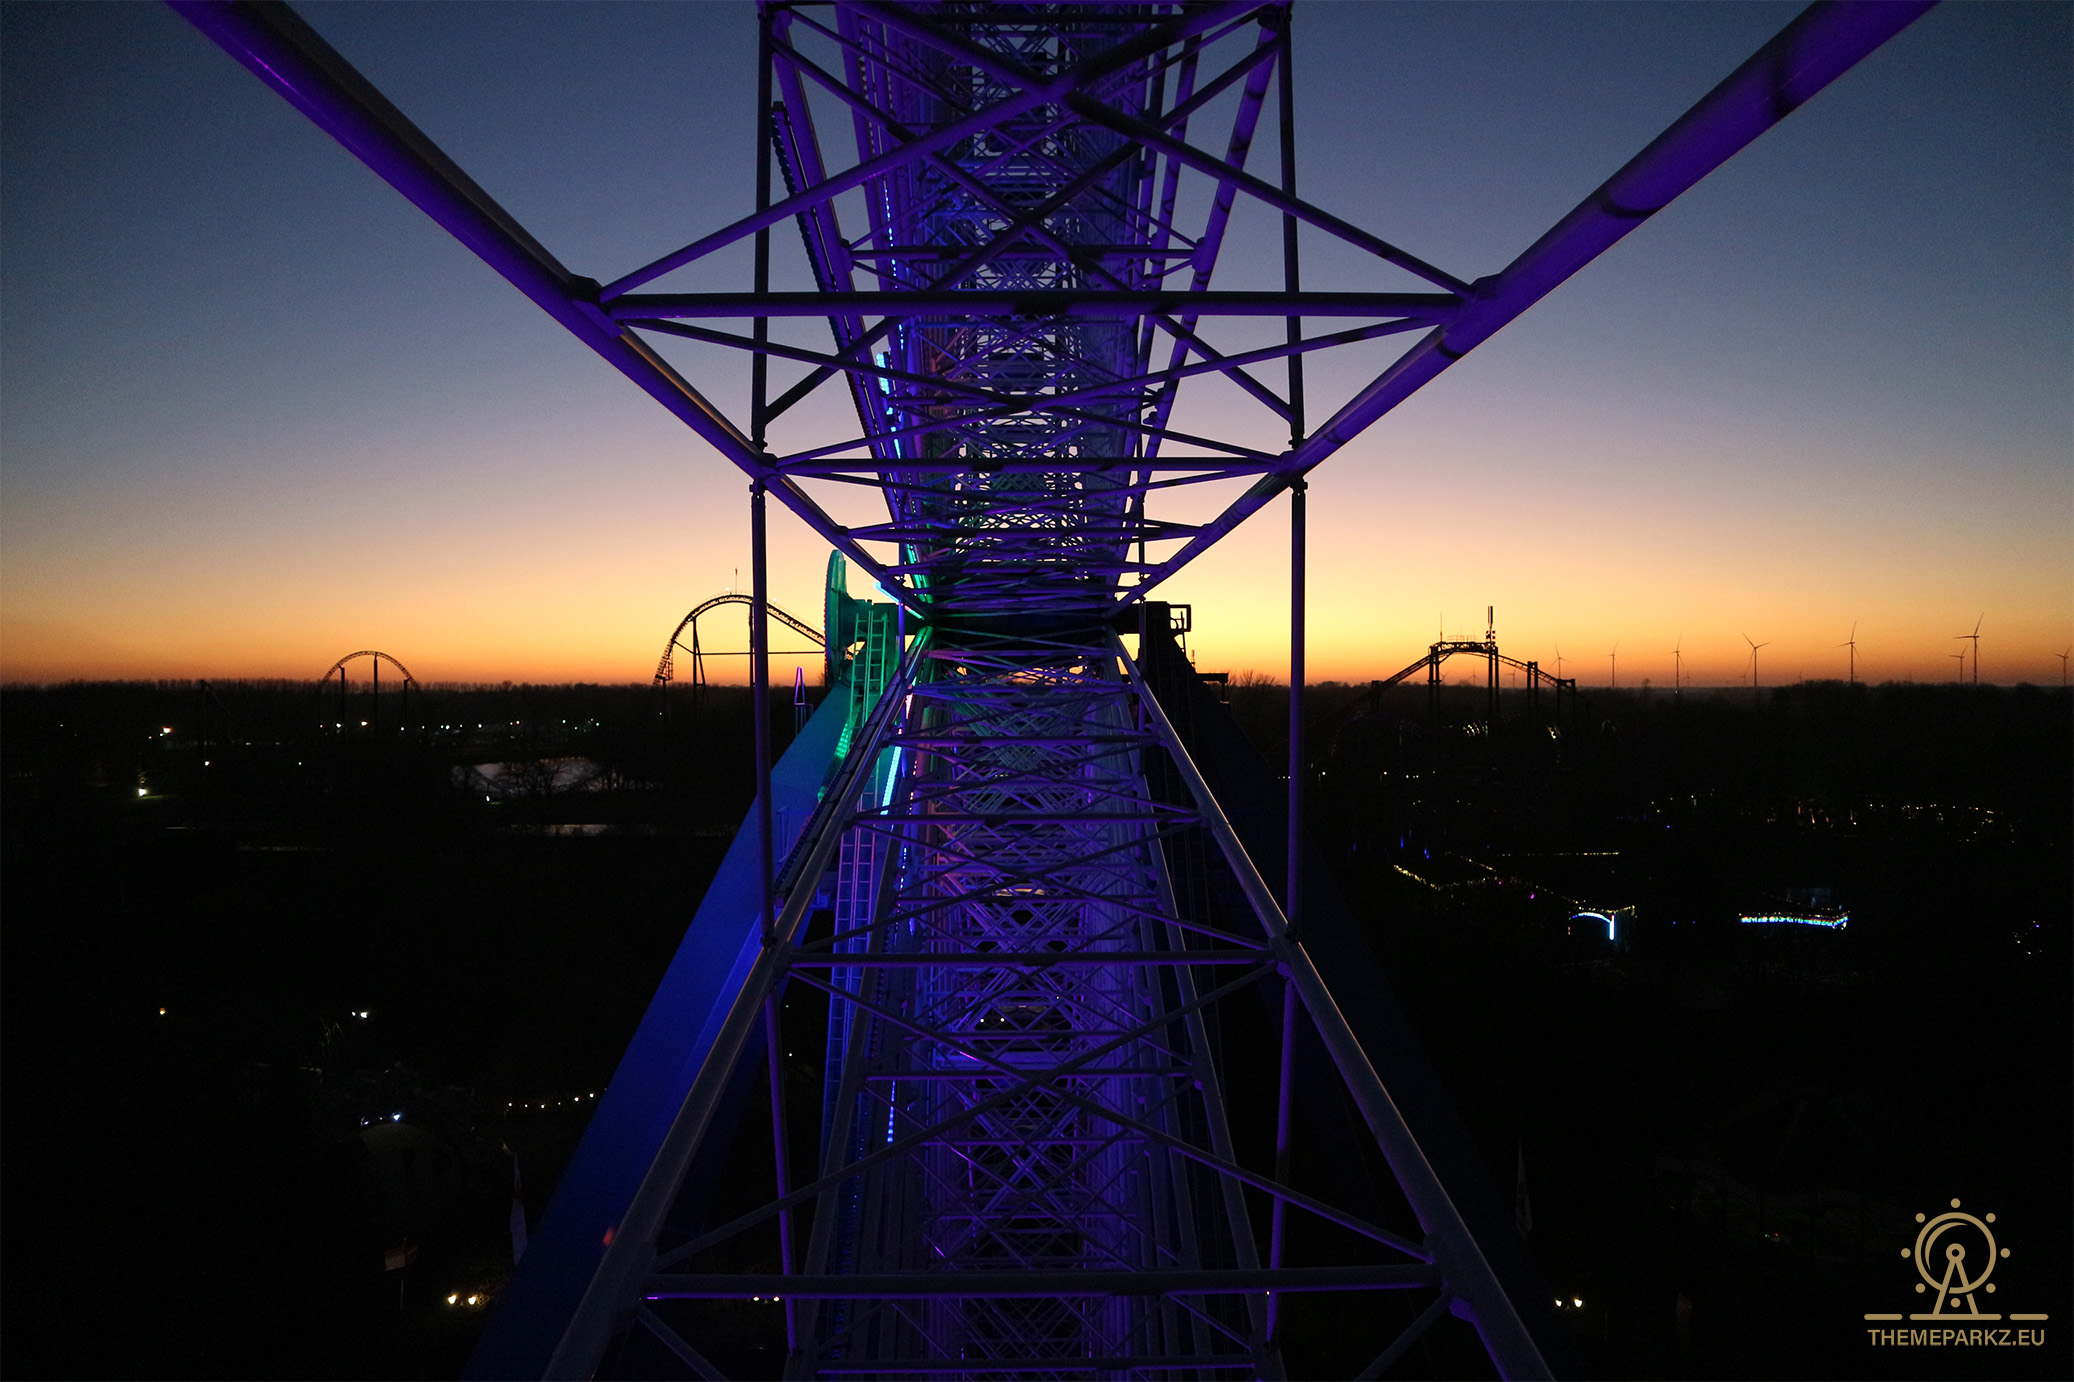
pixel 1545 700
pixel 1108 1085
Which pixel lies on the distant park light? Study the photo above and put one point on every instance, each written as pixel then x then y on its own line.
pixel 1836 923
pixel 1593 916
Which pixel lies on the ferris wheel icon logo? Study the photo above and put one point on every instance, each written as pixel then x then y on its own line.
pixel 1955 1253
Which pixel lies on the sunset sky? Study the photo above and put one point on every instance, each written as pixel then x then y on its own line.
pixel 259 411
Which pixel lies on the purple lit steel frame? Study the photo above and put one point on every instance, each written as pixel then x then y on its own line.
pixel 1103 334
pixel 1028 1166
pixel 1018 996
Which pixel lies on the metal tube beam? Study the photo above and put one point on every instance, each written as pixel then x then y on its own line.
pixel 1048 1367
pixel 275 45
pixel 1284 1106
pixel 1292 889
pixel 1014 1285
pixel 1024 1083
pixel 943 137
pixel 1001 959
pixel 760 691
pixel 630 1244
pixel 1824 42
pixel 1505 1337
pixel 964 304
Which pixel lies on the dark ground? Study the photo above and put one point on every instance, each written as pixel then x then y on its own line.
pixel 1728 1130
pixel 1745 1119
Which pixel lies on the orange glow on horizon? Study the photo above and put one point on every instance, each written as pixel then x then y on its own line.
pixel 1368 619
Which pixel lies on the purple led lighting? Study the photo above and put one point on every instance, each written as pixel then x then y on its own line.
pixel 1013 316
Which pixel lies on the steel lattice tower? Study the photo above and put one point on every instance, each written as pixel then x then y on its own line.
pixel 996 855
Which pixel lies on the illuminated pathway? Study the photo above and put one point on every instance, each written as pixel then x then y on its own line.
pixel 1068 1013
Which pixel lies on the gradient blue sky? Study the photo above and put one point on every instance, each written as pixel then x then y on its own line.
pixel 258 411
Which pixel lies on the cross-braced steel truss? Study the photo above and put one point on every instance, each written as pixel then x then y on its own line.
pixel 1028 1165
pixel 1030 1162
pixel 1024 895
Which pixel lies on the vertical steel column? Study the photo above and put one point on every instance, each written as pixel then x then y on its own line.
pixel 773 1039
pixel 1284 1107
pixel 1292 276
pixel 1293 885
pixel 759 361
pixel 760 694
pixel 759 606
pixel 760 679
pixel 1292 281
pixel 1293 888
pixel 759 384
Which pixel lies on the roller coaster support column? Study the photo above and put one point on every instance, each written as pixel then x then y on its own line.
pixel 698 672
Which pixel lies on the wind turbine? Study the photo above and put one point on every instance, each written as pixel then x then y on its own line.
pixel 1678 677
pixel 1961 655
pixel 1753 658
pixel 1614 658
pixel 2063 664
pixel 1852 644
pixel 1559 661
pixel 1975 636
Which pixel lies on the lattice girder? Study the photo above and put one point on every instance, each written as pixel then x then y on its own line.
pixel 1023 288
